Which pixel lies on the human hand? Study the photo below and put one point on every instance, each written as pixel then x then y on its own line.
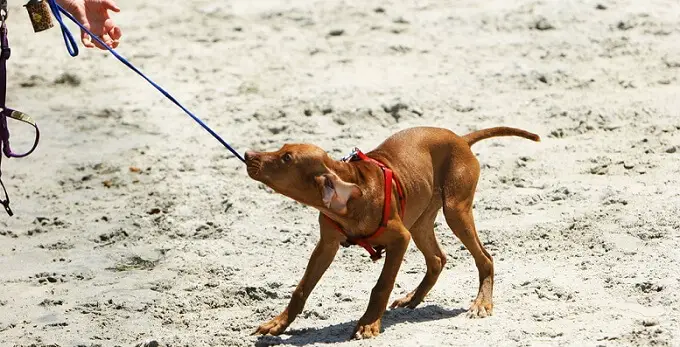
pixel 94 15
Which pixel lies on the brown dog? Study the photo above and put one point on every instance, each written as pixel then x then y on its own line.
pixel 435 168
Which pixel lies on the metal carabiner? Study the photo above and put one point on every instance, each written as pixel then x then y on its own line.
pixel 3 11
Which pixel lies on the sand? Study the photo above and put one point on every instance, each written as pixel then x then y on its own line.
pixel 132 224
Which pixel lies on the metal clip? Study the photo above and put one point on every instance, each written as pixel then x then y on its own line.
pixel 39 12
pixel 5 203
pixel 3 11
pixel 351 155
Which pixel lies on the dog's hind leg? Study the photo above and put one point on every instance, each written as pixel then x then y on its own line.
pixel 458 194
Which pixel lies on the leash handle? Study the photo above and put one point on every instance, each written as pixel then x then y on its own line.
pixel 73 51
pixel 4 132
pixel 69 41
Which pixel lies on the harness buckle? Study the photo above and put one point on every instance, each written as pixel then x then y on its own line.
pixel 378 253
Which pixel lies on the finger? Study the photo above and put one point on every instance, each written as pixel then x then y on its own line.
pixel 111 5
pixel 112 30
pixel 96 43
pixel 107 40
pixel 85 38
pixel 115 33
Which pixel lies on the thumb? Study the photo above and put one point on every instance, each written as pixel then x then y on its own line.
pixel 85 37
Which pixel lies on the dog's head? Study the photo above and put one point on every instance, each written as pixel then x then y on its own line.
pixel 304 173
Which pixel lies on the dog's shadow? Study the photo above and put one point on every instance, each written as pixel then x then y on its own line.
pixel 341 332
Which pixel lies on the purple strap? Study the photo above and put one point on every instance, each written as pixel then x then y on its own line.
pixel 5 112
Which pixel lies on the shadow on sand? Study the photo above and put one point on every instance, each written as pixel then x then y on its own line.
pixel 341 332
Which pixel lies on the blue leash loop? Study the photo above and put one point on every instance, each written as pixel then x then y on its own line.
pixel 72 48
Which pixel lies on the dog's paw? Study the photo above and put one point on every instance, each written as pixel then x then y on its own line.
pixel 366 331
pixel 480 309
pixel 274 327
pixel 408 301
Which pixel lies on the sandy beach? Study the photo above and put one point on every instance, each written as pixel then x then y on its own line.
pixel 132 224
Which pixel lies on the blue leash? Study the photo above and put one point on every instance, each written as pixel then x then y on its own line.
pixel 72 48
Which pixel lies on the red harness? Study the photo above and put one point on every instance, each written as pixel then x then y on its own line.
pixel 375 252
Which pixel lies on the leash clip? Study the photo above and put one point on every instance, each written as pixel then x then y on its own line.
pixel 5 204
pixel 352 156
pixel 378 254
pixel 3 11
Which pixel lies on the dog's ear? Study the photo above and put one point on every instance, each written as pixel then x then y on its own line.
pixel 335 193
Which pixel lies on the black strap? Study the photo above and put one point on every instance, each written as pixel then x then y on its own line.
pixel 5 202
pixel 4 55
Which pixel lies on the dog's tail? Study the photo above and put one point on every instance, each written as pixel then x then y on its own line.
pixel 479 135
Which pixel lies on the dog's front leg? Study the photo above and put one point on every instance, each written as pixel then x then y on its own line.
pixel 321 258
pixel 369 324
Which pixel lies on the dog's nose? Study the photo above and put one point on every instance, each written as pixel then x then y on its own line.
pixel 249 155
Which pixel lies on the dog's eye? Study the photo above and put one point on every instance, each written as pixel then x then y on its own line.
pixel 286 157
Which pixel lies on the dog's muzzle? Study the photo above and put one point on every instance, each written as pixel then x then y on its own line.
pixel 253 164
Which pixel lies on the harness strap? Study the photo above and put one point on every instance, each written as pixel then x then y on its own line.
pixel 374 252
pixel 389 176
pixel 400 192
